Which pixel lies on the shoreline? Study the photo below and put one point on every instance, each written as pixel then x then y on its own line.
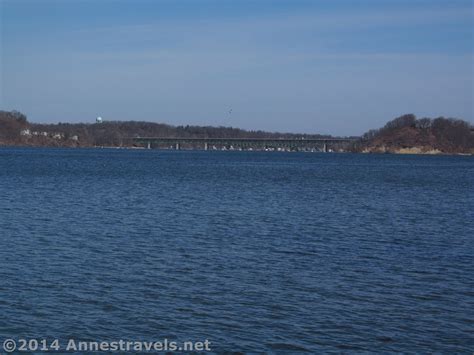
pixel 402 151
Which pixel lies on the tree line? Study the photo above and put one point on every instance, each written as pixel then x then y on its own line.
pixel 447 135
pixel 116 133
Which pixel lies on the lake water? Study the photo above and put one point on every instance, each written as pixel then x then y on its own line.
pixel 254 251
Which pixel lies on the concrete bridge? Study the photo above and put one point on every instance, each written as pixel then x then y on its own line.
pixel 321 144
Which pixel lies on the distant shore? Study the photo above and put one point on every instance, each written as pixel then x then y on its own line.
pixel 403 135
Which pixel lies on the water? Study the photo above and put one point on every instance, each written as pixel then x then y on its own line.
pixel 256 252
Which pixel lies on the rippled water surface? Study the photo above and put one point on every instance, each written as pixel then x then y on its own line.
pixel 257 252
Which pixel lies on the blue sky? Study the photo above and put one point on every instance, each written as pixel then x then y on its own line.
pixel 331 66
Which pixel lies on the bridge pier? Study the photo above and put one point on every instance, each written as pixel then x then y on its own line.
pixel 325 147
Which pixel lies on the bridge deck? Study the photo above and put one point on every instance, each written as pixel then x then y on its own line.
pixel 206 143
pixel 250 140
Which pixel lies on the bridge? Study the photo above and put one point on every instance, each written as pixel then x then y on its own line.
pixel 320 144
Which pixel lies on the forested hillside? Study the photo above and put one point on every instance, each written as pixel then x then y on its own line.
pixel 16 130
pixel 407 134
